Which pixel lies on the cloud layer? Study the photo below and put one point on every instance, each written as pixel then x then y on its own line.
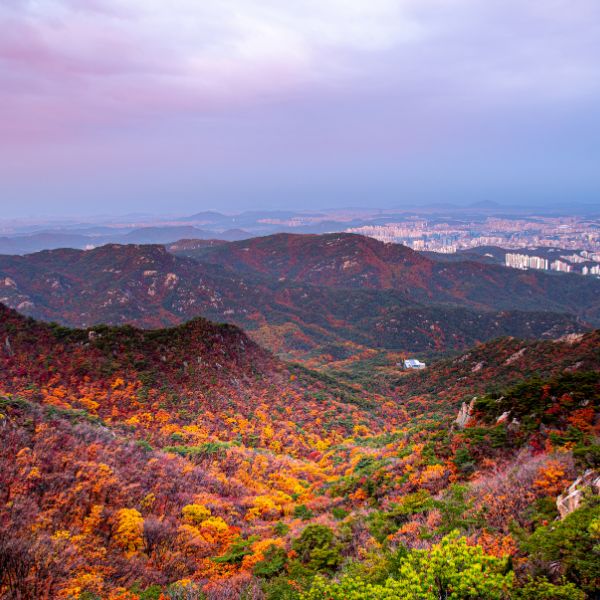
pixel 245 85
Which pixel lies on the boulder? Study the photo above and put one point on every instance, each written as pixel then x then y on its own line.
pixel 572 498
pixel 464 414
pixel 8 347
pixel 503 418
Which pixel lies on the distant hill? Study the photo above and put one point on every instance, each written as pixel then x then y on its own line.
pixel 162 235
pixel 183 246
pixel 35 242
pixel 300 296
pixel 351 261
pixel 492 255
pixel 92 237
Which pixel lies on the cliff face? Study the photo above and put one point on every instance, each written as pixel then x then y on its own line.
pixel 584 487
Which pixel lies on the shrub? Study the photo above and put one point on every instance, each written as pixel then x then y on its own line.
pixel 571 544
pixel 317 548
pixel 195 513
pixel 542 589
pixel 281 528
pixel 239 548
pixel 383 524
pixel 464 461
pixel 302 512
pixel 280 588
pixel 129 530
pixel 339 513
pixel 272 564
pixel 587 456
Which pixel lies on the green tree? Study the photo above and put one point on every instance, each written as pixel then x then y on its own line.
pixel 450 570
pixel 542 589
pixel 453 569
pixel 573 543
pixel 317 548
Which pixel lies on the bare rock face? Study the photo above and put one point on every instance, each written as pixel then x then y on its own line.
pixel 513 425
pixel 572 497
pixel 464 414
pixel 503 418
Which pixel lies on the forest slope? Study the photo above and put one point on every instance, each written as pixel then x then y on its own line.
pixel 190 463
pixel 150 287
pixel 344 260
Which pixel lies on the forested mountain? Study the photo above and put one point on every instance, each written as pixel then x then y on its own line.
pixel 339 296
pixel 190 463
pixel 349 261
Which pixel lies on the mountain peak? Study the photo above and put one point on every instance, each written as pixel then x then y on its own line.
pixel 332 259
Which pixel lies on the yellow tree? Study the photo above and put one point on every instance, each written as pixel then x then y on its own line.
pixel 130 528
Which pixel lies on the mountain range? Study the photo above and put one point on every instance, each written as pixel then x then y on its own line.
pixel 350 261
pixel 322 297
pixel 89 237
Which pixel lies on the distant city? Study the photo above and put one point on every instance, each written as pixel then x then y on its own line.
pixel 560 243
pixel 542 241
pixel 584 262
pixel 511 233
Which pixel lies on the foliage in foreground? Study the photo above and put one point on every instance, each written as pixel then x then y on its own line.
pixel 188 465
pixel 451 569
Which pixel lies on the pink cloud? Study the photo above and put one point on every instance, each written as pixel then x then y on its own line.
pixel 81 68
pixel 50 50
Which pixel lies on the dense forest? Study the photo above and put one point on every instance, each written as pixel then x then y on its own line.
pixel 314 298
pixel 189 463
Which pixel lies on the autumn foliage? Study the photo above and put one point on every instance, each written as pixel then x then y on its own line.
pixel 190 463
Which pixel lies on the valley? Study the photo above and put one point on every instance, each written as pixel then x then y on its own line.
pixel 190 462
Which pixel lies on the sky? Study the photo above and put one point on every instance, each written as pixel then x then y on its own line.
pixel 115 106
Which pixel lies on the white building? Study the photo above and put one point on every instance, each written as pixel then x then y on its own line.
pixel 559 265
pixel 524 261
pixel 594 270
pixel 413 363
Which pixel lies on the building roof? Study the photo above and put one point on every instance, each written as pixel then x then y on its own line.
pixel 413 362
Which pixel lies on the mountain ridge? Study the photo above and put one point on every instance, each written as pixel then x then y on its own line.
pixel 151 287
pixel 350 260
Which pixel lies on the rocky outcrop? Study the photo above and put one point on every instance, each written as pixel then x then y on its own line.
pixel 514 357
pixel 503 418
pixel 572 498
pixel 512 425
pixel 464 414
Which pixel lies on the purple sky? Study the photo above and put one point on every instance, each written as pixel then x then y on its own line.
pixel 180 106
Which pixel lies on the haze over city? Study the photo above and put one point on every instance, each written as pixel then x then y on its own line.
pixel 115 106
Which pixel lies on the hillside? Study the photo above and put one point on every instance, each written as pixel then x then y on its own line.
pixel 147 286
pixel 190 463
pixel 494 366
pixel 176 375
pixel 351 261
